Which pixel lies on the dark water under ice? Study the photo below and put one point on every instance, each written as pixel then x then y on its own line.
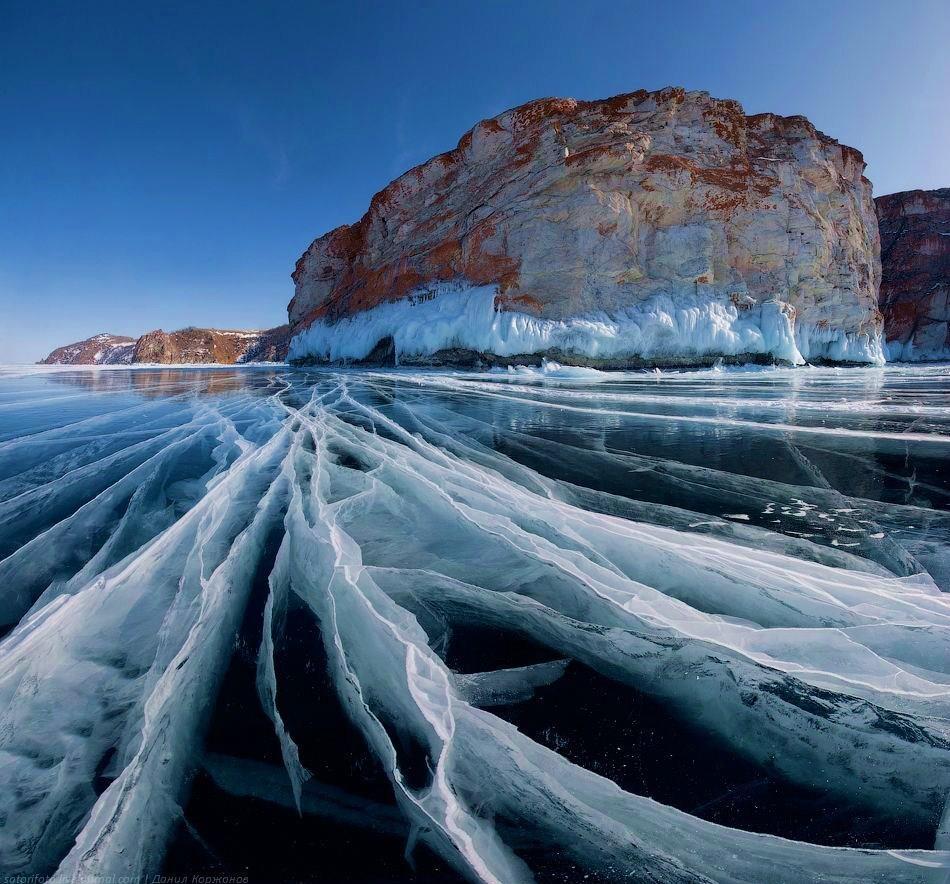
pixel 546 624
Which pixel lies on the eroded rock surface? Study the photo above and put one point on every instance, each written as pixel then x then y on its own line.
pixel 915 285
pixel 671 216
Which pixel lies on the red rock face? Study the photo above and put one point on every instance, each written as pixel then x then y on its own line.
pixel 571 207
pixel 915 284
pixel 188 345
pixel 211 345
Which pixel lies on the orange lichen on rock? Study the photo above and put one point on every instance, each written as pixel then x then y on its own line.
pixel 484 267
pixel 523 303
pixel 729 121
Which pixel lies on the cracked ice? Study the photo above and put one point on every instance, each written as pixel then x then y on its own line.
pixel 528 625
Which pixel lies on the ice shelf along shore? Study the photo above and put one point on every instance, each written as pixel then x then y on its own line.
pixel 506 626
pixel 675 328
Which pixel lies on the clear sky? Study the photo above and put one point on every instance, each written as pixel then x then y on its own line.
pixel 165 164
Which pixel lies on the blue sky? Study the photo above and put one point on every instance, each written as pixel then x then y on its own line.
pixel 164 164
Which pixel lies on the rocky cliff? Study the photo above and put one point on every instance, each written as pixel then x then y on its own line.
pixel 646 228
pixel 915 285
pixel 102 349
pixel 206 345
pixel 188 345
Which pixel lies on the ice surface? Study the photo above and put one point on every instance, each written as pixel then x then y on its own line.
pixel 502 686
pixel 761 555
pixel 662 327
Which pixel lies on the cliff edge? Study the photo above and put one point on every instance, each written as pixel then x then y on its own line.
pixel 915 285
pixel 649 228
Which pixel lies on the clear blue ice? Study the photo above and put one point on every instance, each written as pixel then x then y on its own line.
pixel 543 624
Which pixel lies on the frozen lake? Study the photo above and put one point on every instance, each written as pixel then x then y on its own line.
pixel 540 624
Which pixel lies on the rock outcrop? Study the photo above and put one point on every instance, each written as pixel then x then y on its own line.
pixel 102 349
pixel 271 345
pixel 650 227
pixel 915 285
pixel 188 345
pixel 203 345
